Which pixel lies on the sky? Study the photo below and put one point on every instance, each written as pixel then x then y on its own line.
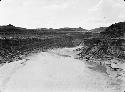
pixel 88 14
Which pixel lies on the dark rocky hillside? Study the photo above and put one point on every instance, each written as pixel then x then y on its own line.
pixel 106 50
pixel 115 30
pixel 109 44
pixel 100 43
pixel 11 49
pixel 16 42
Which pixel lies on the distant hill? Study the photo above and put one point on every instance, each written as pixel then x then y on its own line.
pixel 98 30
pixel 18 32
pixel 115 30
pixel 10 28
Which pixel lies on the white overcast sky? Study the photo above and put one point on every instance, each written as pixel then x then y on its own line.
pixel 61 13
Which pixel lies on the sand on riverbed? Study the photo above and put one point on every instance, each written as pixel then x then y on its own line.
pixel 49 72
